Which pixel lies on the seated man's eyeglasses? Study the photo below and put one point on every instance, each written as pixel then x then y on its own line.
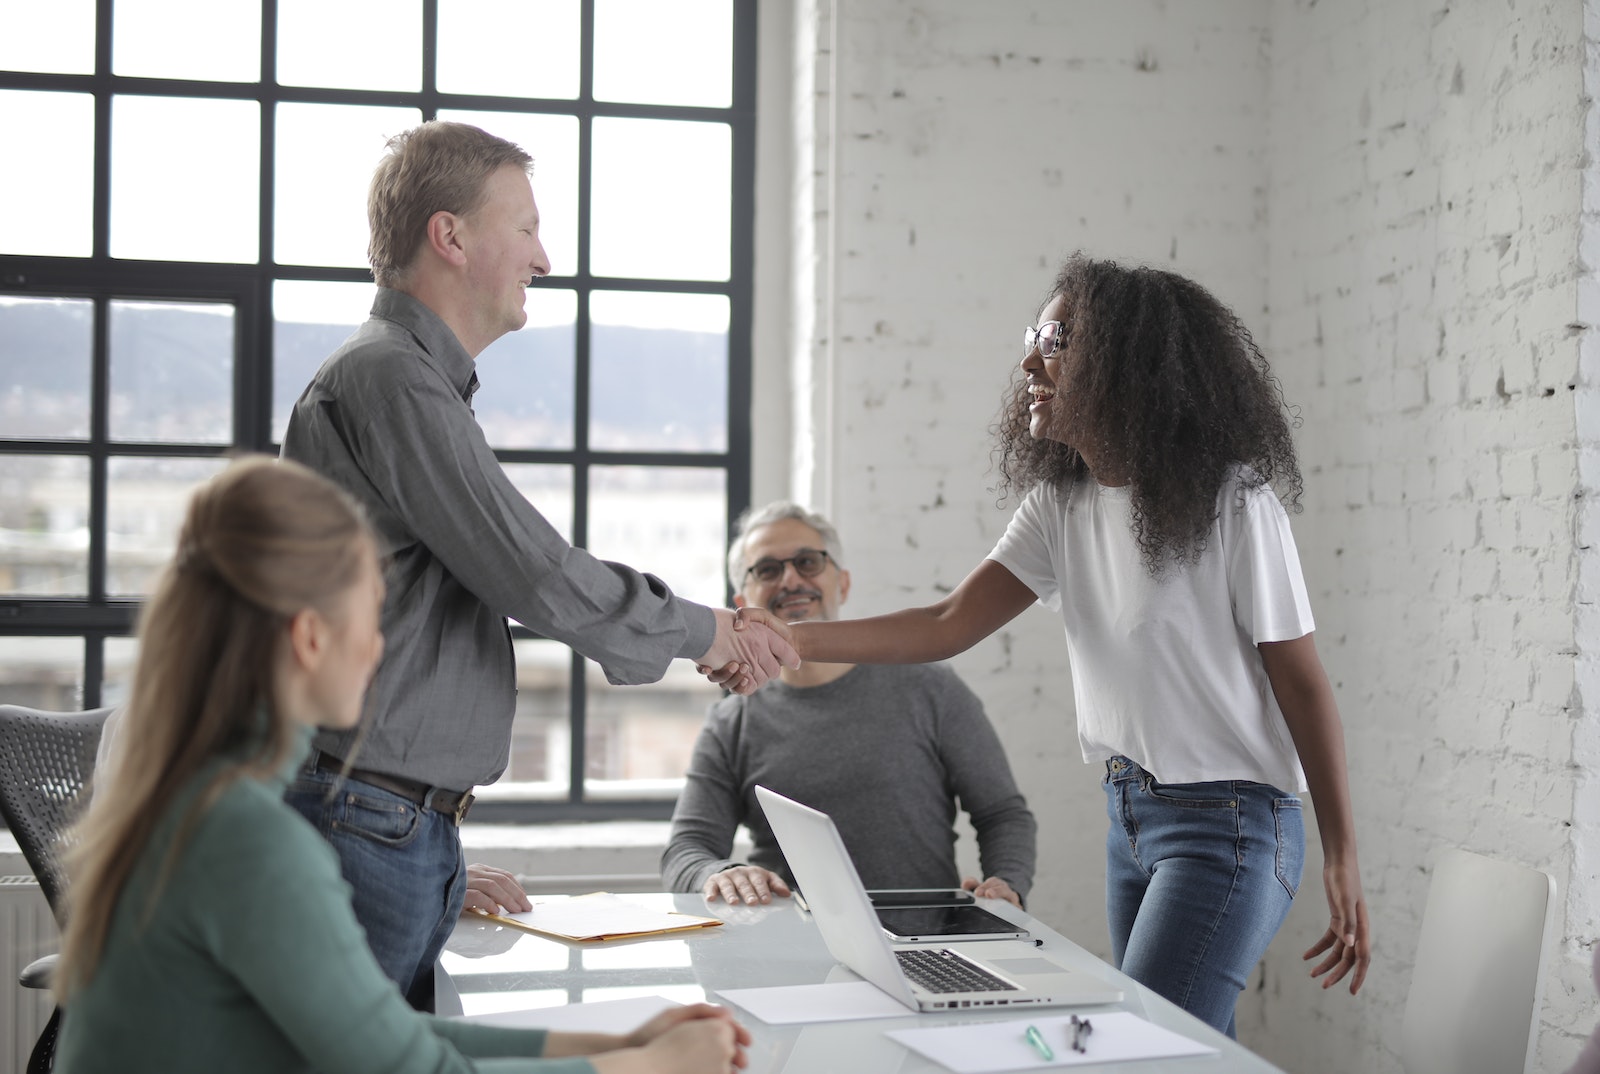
pixel 808 563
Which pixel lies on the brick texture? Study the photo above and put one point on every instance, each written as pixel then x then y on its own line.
pixel 1390 193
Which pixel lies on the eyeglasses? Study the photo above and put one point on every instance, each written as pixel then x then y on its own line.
pixel 1048 337
pixel 808 563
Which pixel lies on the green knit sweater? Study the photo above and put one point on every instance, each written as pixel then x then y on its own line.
pixel 253 961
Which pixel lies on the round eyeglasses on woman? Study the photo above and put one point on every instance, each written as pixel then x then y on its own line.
pixel 808 563
pixel 1048 337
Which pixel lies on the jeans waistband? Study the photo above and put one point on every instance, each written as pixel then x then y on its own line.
pixel 1121 768
pixel 454 804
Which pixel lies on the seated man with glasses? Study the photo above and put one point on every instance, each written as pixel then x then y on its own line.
pixel 888 751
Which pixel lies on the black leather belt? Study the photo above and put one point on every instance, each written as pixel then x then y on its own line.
pixel 453 804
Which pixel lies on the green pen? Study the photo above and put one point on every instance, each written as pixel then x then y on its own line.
pixel 1036 1039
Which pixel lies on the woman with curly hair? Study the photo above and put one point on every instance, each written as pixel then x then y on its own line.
pixel 1146 435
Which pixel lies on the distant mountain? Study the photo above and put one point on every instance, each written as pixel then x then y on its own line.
pixel 652 389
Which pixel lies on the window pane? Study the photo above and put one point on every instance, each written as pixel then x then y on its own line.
pixel 144 44
pixel 350 44
pixel 549 489
pixel 660 371
pixel 172 372
pixel 118 659
pixel 309 321
pixel 60 198
pixel 525 394
pixel 190 153
pixel 655 53
pixel 668 520
pixel 541 739
pixel 671 223
pixel 57 37
pixel 45 364
pixel 145 502
pixel 509 48
pixel 552 141
pixel 639 738
pixel 44 526
pixel 326 156
pixel 42 673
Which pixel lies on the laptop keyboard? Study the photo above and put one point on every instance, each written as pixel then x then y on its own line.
pixel 939 970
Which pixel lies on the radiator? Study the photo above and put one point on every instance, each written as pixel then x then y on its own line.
pixel 27 930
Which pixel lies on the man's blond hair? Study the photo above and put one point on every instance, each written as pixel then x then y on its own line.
pixel 437 167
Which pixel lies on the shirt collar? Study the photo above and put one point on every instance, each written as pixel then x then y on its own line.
pixel 441 348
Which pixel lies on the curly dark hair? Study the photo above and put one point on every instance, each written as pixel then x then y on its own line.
pixel 1174 390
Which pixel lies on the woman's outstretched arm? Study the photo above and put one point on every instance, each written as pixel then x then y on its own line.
pixel 986 600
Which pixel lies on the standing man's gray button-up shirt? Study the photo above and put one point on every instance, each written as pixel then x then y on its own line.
pixel 387 417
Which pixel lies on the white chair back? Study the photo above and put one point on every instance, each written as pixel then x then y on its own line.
pixel 1477 985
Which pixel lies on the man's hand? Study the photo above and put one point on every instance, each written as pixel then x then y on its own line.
pixel 749 884
pixel 494 891
pixel 743 655
pixel 993 888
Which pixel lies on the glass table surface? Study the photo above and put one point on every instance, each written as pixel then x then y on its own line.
pixel 490 968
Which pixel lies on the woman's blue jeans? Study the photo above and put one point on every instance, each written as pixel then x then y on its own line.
pixel 1199 876
pixel 404 866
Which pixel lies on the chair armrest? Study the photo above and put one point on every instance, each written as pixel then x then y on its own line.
pixel 39 972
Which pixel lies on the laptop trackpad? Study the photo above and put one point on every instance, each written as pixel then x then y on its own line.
pixel 1024 967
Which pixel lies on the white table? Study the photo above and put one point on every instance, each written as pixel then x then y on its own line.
pixel 487 967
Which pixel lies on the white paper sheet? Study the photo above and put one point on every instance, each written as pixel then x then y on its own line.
pixel 604 1016
pixel 987 1047
pixel 839 1001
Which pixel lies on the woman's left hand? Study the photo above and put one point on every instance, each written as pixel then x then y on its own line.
pixel 676 1015
pixel 1348 941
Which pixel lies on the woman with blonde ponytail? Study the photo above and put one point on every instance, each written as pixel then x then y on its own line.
pixel 208 927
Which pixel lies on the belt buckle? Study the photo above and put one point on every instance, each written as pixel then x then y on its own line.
pixel 463 804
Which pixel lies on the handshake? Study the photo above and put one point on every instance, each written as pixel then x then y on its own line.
pixel 750 647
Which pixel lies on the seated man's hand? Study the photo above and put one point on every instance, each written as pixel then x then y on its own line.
pixel 748 884
pixel 494 890
pixel 993 888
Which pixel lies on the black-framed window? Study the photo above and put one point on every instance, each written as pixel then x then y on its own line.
pixel 186 242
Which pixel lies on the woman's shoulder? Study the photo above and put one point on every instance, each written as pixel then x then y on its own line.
pixel 250 820
pixel 1244 490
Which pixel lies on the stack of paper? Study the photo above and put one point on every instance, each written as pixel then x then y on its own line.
pixel 600 916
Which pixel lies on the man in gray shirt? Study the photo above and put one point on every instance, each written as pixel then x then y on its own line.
pixel 454 247
pixel 887 751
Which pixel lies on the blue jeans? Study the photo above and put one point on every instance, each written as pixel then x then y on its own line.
pixel 1199 876
pixel 404 864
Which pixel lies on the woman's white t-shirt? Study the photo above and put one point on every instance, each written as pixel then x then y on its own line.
pixel 1165 670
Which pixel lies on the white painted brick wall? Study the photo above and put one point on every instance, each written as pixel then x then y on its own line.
pixel 1388 192
pixel 1440 268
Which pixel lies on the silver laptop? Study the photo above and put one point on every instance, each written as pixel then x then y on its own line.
pixel 925 977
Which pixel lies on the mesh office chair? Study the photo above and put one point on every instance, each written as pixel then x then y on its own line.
pixel 45 761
